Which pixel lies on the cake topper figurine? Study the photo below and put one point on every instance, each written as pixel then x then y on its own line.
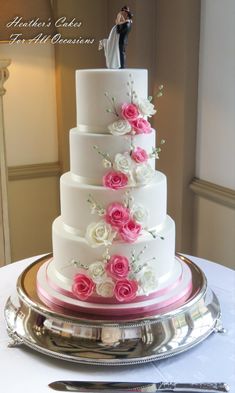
pixel 115 45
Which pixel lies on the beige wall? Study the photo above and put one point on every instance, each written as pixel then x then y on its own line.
pixel 176 51
pixel 33 204
pixel 215 154
pixel 32 147
pixel 30 104
pixel 215 231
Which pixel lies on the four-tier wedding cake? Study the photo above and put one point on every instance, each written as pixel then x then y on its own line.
pixel 114 244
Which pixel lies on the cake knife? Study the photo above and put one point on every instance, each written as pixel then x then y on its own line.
pixel 118 387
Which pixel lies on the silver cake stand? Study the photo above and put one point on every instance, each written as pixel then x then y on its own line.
pixel 90 340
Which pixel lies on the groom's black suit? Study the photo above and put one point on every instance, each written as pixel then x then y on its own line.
pixel 123 31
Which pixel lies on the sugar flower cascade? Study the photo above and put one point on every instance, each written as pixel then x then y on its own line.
pixel 116 276
pixel 124 221
pixel 130 168
pixel 132 115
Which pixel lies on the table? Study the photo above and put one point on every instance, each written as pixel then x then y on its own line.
pixel 23 370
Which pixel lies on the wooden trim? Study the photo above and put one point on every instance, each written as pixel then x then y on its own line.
pixel 33 171
pixel 214 192
pixel 5 253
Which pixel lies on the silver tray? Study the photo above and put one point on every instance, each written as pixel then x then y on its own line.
pixel 90 340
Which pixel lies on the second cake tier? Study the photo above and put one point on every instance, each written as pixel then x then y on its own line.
pixel 89 153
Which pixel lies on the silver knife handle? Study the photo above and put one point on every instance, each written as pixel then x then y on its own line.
pixel 193 387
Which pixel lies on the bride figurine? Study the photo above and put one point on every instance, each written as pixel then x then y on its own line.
pixel 115 45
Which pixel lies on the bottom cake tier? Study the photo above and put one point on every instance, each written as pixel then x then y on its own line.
pixel 175 289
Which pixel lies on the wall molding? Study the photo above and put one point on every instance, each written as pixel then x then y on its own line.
pixel 33 171
pixel 214 192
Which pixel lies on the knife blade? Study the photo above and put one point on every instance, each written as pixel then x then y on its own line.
pixel 118 387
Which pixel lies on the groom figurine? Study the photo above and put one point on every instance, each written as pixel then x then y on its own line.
pixel 124 22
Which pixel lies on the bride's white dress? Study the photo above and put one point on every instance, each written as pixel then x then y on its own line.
pixel 111 49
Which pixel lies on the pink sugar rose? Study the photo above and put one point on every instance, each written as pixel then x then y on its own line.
pixel 141 126
pixel 118 267
pixel 83 286
pixel 117 215
pixel 125 290
pixel 129 112
pixel 130 231
pixel 139 155
pixel 115 180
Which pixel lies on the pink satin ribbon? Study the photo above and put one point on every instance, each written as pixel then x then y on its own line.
pixel 170 304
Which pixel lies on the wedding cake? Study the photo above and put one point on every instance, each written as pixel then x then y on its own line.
pixel 114 244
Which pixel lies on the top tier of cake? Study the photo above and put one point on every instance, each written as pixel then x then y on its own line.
pixel 91 101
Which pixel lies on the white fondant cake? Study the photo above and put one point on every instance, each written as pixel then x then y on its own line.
pixel 113 245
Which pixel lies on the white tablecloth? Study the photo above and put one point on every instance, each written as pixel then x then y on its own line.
pixel 24 370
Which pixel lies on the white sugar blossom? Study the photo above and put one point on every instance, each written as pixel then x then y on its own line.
pixel 147 281
pixel 123 162
pixel 99 234
pixel 120 127
pixel 97 271
pixel 144 174
pixel 140 215
pixel 146 108
pixel 106 163
pixel 106 288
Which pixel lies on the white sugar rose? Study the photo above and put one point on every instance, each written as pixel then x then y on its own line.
pixel 99 234
pixel 146 108
pixel 147 281
pixel 97 271
pixel 120 127
pixel 144 174
pixel 123 162
pixel 106 288
pixel 140 215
